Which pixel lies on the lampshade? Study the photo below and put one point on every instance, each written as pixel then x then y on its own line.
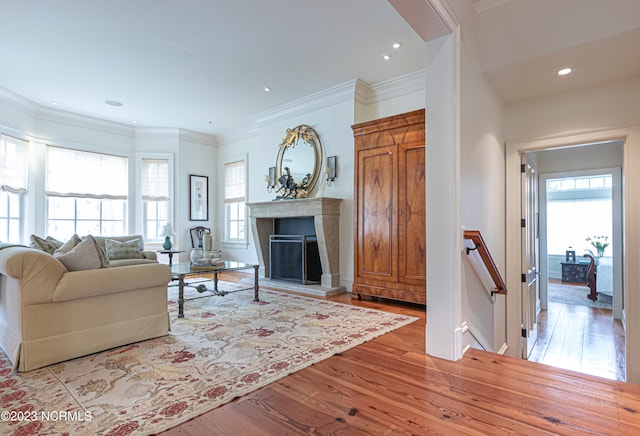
pixel 167 230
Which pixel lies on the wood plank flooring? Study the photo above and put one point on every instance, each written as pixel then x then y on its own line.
pixel 389 386
pixel 581 338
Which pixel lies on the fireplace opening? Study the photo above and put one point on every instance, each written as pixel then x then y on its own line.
pixel 295 258
pixel 293 251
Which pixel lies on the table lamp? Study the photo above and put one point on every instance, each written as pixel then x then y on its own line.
pixel 167 232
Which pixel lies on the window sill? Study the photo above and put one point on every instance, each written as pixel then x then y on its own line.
pixel 235 244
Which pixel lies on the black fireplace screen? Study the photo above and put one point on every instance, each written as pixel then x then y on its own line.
pixel 294 258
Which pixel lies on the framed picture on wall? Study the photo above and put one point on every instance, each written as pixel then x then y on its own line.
pixel 198 198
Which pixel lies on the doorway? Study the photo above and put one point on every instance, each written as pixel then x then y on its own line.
pixel 580 212
pixel 630 140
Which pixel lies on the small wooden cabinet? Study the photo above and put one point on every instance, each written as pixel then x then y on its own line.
pixel 575 272
pixel 390 228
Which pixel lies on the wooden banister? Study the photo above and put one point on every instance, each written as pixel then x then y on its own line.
pixel 483 251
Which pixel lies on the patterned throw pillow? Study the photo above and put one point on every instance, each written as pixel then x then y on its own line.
pixel 123 250
pixel 81 257
pixel 48 244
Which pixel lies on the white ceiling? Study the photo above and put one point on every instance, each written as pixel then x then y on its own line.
pixel 201 64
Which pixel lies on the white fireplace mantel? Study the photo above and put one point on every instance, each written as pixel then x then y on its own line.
pixel 326 213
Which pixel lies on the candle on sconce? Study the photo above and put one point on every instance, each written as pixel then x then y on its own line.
pixel 266 178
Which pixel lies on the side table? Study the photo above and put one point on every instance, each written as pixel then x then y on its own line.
pixel 170 253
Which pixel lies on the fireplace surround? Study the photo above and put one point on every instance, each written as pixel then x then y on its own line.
pixel 326 217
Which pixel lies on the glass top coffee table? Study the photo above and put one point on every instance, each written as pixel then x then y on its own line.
pixel 180 271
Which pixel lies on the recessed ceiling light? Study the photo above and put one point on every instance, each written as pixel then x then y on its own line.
pixel 396 45
pixel 114 103
pixel 386 57
pixel 134 121
pixel 564 71
pixel 54 103
pixel 266 88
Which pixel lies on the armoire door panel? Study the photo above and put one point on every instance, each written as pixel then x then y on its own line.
pixel 376 223
pixel 412 213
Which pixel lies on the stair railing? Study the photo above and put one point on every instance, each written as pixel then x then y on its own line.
pixel 483 251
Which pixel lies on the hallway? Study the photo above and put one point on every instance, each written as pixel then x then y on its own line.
pixel 581 338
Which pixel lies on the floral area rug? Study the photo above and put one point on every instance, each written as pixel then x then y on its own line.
pixel 225 347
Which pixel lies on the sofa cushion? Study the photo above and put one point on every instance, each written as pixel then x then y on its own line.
pixel 102 253
pixel 48 244
pixel 68 246
pixel 123 250
pixel 83 256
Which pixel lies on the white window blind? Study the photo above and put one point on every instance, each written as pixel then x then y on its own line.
pixel 72 173
pixel 14 164
pixel 234 183
pixel 155 179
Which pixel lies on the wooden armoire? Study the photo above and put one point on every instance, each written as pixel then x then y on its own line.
pixel 390 227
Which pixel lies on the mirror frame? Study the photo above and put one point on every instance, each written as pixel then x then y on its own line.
pixel 309 136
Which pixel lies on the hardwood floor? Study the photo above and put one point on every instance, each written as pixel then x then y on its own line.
pixel 581 338
pixel 390 386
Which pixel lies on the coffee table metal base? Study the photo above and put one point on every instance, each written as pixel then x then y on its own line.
pixel 180 276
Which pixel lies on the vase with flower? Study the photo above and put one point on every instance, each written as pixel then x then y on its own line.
pixel 600 243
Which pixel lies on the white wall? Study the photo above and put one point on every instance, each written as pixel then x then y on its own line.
pixel 482 202
pixel 608 105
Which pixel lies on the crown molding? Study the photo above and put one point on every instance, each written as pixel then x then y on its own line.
pixel 319 100
pixel 198 137
pixel 237 134
pixel 84 122
pixel 19 102
pixel 397 87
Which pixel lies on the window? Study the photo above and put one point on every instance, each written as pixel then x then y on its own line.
pixel 234 201
pixel 14 165
pixel 155 187
pixel 578 208
pixel 86 193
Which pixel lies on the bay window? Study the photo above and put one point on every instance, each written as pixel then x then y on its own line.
pixel 14 165
pixel 234 201
pixel 86 193
pixel 155 174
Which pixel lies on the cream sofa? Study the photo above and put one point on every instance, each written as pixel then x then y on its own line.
pixel 48 314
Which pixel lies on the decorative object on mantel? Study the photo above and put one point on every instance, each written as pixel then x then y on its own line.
pixel 298 165
pixel 167 232
pixel 331 170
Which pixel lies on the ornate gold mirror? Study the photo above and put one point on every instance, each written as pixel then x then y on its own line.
pixel 299 162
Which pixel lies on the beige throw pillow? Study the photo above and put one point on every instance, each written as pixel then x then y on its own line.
pixel 83 256
pixel 68 246
pixel 123 250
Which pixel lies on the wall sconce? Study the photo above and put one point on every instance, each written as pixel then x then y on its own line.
pixel 331 170
pixel 271 179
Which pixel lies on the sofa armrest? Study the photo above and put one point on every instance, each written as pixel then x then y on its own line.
pixel 89 283
pixel 38 272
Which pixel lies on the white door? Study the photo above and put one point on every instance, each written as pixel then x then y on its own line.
pixel 530 243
